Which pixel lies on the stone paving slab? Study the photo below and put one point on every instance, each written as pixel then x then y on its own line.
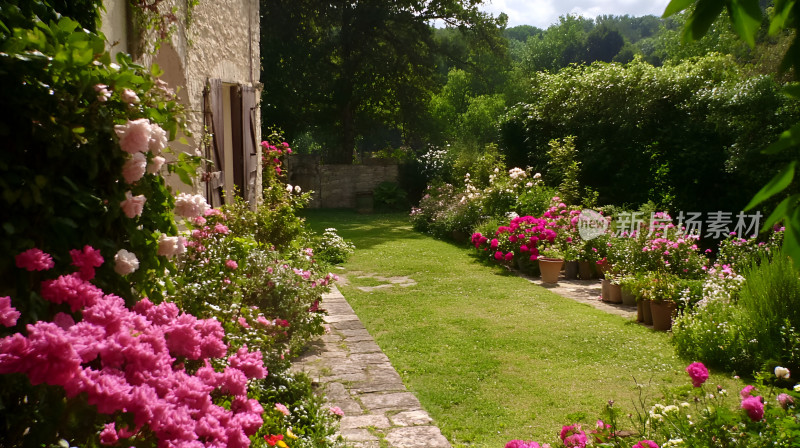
pixel 584 291
pixel 359 378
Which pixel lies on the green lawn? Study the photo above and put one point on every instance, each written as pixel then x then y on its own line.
pixel 491 356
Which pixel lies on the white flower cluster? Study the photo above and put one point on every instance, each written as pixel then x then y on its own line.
pixel 517 173
pixel 721 288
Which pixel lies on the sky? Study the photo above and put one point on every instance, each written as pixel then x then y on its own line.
pixel 543 13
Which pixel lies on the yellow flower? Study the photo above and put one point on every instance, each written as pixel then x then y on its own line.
pixel 290 434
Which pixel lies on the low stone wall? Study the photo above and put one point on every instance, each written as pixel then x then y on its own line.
pixel 336 186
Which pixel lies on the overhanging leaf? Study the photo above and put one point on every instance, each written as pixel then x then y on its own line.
pixel 704 14
pixel 746 17
pixel 676 6
pixel 776 185
pixel 780 15
pixel 787 139
pixel 782 211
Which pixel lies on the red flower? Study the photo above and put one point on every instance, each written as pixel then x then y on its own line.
pixel 273 440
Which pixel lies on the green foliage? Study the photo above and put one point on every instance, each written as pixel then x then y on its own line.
pixel 686 136
pixel 309 417
pixel 741 335
pixel 389 195
pixel 353 70
pixel 563 169
pixel 62 176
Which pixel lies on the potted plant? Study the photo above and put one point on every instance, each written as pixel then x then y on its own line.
pixel 612 290
pixel 627 284
pixel 662 290
pixel 551 260
pixel 572 255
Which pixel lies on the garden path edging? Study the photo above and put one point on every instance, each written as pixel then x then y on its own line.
pixel 359 378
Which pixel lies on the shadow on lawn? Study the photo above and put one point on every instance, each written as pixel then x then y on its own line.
pixel 364 230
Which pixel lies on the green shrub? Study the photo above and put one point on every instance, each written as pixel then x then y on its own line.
pixel 332 248
pixel 744 334
pixel 389 195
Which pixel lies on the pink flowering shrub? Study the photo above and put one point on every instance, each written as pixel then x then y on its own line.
pixel 133 362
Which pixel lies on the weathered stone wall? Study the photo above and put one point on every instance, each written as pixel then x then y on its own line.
pixel 336 186
pixel 221 42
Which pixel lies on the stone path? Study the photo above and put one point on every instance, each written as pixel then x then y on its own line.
pixel 585 291
pixel 358 377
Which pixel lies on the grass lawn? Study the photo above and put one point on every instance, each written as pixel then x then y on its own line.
pixel 491 356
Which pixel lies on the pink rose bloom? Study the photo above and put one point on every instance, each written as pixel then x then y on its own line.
pixel 746 391
pixel 231 264
pixel 200 221
pixel 158 139
pixel 698 373
pixel 573 436
pixel 108 436
pixel 170 246
pixel 522 444
pixel 129 96
pixel 221 228
pixel 134 168
pixel 336 410
pixel 498 255
pixel 86 260
pixel 282 409
pixel 784 399
pixel 243 322
pixel 8 314
pixel 190 206
pixel 132 206
pixel 509 256
pixel 103 94
pixel 134 136
pixel 34 260
pixel 646 444
pixel 125 262
pixel 754 407
pixel 154 166
pixel 251 363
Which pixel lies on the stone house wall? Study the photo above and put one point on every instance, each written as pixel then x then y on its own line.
pixel 220 43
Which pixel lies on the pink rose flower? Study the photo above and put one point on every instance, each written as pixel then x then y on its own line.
pixel 336 410
pixel 646 444
pixel 231 264
pixel 221 228
pixel 103 94
pixel 158 139
pixel 190 206
pixel 785 400
pixel 132 206
pixel 108 436
pixel 698 373
pixel 522 444
pixel 745 392
pixel 282 409
pixel 129 96
pixel 134 168
pixel 154 166
pixel 134 136
pixel 34 260
pixel 169 246
pixel 754 406
pixel 8 314
pixel 86 260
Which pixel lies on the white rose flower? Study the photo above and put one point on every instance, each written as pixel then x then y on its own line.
pixel 125 262
pixel 782 372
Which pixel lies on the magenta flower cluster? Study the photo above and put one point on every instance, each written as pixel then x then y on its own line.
pixel 129 361
pixel 521 236
pixel 698 373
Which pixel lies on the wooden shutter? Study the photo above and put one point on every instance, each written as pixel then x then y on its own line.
pixel 215 120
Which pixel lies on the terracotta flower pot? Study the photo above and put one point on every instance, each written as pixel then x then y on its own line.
pixel 647 317
pixel 571 270
pixel 551 269
pixel 640 311
pixel 611 292
pixel 662 313
pixel 628 299
pixel 585 271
